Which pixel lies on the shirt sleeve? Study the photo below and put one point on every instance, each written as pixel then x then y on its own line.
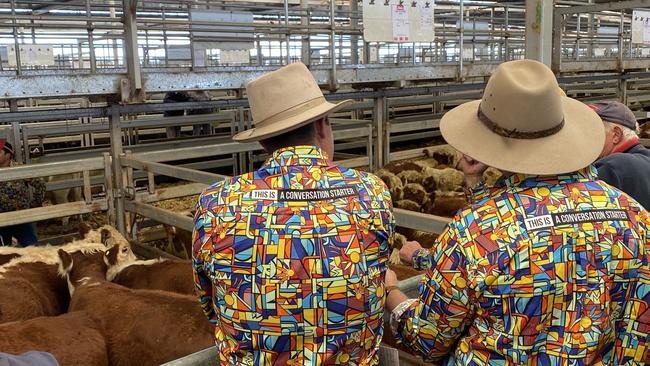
pixel 431 324
pixel 422 259
pixel 633 326
pixel 200 237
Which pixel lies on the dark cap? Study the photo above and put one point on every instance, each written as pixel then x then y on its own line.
pixel 6 146
pixel 615 112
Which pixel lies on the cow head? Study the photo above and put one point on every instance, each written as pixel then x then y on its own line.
pixel 83 267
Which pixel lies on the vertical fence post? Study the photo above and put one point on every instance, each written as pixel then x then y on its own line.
pixel 379 116
pixel 129 189
pixel 108 184
pixel 116 151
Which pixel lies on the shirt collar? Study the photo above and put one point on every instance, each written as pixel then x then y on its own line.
pixel 527 181
pixel 298 155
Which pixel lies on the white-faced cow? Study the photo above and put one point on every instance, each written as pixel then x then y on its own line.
pixel 141 327
pixel 30 285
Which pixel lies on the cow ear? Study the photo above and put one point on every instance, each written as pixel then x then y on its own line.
pixel 84 229
pixel 66 260
pixel 110 256
pixel 106 235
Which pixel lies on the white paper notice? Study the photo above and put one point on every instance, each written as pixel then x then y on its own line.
pixel 641 27
pixel 426 19
pixel 401 25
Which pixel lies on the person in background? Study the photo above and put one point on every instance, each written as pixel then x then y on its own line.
pixel 548 267
pixel 289 260
pixel 18 195
pixel 624 163
pixel 188 96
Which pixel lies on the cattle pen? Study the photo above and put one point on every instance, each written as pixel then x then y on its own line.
pixel 116 171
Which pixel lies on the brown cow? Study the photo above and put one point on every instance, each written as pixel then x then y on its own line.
pixel 162 326
pixel 72 338
pixel 30 286
pixel 155 274
pixel 5 258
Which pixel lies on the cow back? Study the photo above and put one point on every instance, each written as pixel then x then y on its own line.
pixel 73 339
pixel 173 276
pixel 144 327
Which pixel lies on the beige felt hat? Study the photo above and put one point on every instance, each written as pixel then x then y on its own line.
pixel 523 125
pixel 284 100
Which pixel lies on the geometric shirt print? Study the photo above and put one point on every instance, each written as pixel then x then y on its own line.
pixel 536 274
pixel 289 262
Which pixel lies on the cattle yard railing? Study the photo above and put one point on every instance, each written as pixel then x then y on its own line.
pixel 77 168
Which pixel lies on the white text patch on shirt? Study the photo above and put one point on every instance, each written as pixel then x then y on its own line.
pixel 288 195
pixel 265 194
pixel 571 218
pixel 539 222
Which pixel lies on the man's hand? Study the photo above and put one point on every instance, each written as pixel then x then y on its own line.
pixel 473 170
pixel 391 278
pixel 407 251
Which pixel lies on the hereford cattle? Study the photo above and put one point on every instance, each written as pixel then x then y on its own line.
pixel 155 274
pixel 30 285
pixel 72 338
pixel 106 235
pixel 162 326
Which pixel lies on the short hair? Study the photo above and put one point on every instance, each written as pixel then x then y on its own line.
pixel 304 135
pixel 627 132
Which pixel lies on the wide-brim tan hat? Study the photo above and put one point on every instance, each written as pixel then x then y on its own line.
pixel 283 100
pixel 523 125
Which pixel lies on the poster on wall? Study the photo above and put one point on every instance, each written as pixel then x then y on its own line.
pixel 398 21
pixel 401 26
pixel 641 27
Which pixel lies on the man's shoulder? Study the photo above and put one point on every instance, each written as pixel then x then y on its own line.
pixel 227 186
pixel 366 179
pixel 640 155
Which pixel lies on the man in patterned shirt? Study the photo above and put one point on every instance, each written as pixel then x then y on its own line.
pixel 550 266
pixel 290 259
pixel 18 195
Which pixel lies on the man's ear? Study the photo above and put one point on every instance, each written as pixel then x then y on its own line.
pixel 110 256
pixel 617 134
pixel 321 126
pixel 66 260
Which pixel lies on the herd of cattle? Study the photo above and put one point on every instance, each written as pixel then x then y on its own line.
pixel 91 302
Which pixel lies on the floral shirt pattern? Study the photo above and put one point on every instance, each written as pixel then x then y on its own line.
pixel 290 261
pixel 21 194
pixel 542 271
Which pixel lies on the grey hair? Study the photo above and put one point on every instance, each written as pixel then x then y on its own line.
pixel 628 133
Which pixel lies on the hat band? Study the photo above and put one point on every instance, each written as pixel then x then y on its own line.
pixel 528 135
pixel 291 112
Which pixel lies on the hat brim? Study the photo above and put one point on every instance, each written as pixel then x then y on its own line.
pixel 291 123
pixel 575 146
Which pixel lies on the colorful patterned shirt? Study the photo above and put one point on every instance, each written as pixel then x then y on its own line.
pixel 21 194
pixel 543 271
pixel 290 260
